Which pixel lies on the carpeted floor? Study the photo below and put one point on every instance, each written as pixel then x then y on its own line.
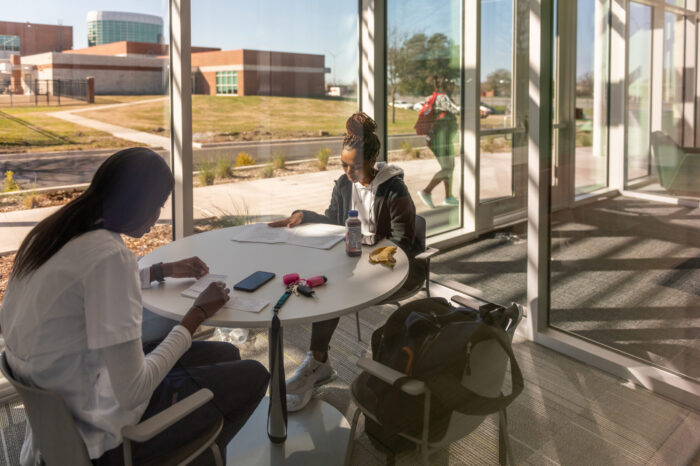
pixel 568 413
pixel 625 274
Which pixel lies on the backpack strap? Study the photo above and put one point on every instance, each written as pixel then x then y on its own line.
pixel 454 395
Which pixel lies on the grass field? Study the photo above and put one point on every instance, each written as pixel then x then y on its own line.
pixel 30 129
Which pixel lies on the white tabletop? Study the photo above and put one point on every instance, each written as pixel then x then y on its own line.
pixel 353 282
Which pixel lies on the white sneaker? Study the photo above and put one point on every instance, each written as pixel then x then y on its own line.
pixel 298 402
pixel 311 373
pixel 427 198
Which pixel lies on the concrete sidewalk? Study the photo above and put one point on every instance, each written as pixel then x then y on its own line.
pixel 257 200
pixel 141 137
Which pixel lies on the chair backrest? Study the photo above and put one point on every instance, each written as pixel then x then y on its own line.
pixel 53 427
pixel 667 157
pixel 420 231
pixel 487 372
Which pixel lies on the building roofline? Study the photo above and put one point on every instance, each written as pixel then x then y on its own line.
pixel 98 15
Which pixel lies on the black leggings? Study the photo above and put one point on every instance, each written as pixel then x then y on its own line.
pixel 238 387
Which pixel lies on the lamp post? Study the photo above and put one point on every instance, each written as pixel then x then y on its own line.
pixel 332 54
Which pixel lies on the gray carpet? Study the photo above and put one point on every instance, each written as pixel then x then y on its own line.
pixel 568 413
pixel 625 274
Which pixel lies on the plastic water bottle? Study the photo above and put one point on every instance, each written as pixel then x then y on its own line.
pixel 237 336
pixel 353 234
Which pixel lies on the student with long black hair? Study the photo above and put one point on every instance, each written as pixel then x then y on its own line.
pixel 71 319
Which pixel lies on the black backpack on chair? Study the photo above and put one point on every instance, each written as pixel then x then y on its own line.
pixel 432 341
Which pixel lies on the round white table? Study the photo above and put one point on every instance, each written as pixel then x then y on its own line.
pixel 353 284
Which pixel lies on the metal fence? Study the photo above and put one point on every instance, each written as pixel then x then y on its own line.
pixel 43 92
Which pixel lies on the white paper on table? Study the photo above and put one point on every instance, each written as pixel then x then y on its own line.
pixel 201 284
pixel 317 235
pixel 246 303
pixel 260 233
pixel 237 302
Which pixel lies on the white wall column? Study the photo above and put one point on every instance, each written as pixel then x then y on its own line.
pixel 539 164
pixel 373 65
pixel 181 117
pixel 470 99
pixel 618 94
pixel 657 68
pixel 600 78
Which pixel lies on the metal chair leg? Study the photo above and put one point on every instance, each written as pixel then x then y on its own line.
pixel 357 320
pixel 351 440
pixel 217 454
pixel 504 450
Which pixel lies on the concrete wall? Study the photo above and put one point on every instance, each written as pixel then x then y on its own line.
pixel 113 75
pixel 39 38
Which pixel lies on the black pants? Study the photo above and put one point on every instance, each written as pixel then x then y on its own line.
pixel 238 387
pixel 322 332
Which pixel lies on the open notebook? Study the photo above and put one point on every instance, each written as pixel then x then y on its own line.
pixel 313 235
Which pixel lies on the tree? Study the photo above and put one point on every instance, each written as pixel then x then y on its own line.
pixel 584 85
pixel 397 62
pixel 498 82
pixel 425 57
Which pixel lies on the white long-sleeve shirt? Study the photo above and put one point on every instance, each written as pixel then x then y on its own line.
pixel 73 326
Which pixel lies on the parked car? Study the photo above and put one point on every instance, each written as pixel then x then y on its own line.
pixel 402 104
pixel 485 110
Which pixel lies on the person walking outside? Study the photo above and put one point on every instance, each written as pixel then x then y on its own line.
pixel 439 139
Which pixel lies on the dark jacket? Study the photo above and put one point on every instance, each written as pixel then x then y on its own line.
pixel 393 209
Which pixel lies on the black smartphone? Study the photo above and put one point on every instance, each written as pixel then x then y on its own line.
pixel 254 281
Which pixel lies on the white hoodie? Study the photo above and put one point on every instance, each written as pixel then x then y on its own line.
pixel 363 196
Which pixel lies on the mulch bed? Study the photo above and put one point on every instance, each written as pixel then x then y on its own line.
pixel 157 237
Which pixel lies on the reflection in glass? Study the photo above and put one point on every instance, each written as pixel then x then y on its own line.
pixel 591 95
pixel 674 49
pixel 271 103
pixel 638 91
pixel 496 170
pixel 496 154
pixel 423 65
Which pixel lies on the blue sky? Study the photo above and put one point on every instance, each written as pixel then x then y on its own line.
pixel 307 26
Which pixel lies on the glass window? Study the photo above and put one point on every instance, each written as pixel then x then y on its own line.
pixel 278 142
pixel 495 109
pixel 423 61
pixel 227 82
pixel 592 77
pixel 9 43
pixel 673 59
pixel 639 92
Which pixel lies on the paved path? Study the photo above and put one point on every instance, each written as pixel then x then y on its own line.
pixel 141 137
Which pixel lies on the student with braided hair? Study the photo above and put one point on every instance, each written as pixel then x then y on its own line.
pixel 377 191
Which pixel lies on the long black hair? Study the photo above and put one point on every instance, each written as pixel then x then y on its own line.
pixel 124 194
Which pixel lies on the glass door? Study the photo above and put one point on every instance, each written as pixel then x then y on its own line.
pixel 502 130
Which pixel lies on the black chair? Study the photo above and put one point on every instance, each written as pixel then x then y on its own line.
pixel 419 276
pixel 485 377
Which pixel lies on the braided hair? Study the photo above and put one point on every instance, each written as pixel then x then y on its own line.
pixel 361 135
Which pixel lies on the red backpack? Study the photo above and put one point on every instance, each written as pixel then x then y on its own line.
pixel 426 117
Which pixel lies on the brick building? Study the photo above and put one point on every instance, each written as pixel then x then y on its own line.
pixel 257 72
pixel 31 38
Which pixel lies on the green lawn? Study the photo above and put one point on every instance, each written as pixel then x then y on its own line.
pixel 30 129
pixel 246 118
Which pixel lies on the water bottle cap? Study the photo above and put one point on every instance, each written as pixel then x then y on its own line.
pixel 352 213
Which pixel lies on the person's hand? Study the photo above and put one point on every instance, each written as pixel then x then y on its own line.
pixel 212 298
pixel 291 221
pixel 206 305
pixel 192 267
